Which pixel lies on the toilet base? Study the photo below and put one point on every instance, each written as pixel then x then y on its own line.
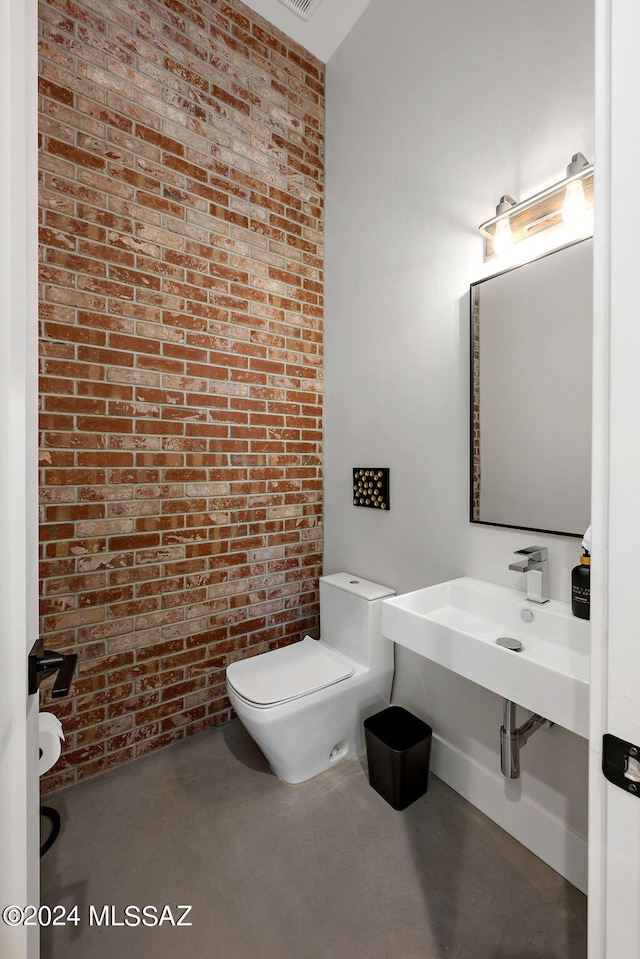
pixel 304 737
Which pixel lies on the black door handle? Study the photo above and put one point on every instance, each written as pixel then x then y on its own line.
pixel 44 662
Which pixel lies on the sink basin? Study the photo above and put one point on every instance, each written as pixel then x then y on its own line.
pixel 457 625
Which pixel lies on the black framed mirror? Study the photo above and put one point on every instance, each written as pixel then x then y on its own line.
pixel 531 359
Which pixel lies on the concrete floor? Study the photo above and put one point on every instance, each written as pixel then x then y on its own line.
pixel 324 870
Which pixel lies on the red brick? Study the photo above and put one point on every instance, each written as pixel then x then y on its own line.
pixel 74 155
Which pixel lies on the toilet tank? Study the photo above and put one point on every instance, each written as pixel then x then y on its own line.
pixel 350 609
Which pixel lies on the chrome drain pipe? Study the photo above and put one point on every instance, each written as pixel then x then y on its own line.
pixel 512 738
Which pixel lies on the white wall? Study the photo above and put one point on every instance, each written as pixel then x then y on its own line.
pixel 433 112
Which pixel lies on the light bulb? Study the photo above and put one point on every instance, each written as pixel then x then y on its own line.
pixel 503 237
pixel 574 209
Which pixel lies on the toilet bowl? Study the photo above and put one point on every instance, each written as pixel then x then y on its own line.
pixel 305 704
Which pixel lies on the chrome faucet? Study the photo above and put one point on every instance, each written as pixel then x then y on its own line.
pixel 536 566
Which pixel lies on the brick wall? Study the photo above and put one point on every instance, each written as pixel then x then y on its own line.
pixel 181 206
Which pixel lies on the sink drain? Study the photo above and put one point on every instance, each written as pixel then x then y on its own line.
pixel 510 643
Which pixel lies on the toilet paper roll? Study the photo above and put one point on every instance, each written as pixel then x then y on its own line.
pixel 50 735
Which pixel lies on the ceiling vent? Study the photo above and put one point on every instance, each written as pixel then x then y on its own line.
pixel 303 8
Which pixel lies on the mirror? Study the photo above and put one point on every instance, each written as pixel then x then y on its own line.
pixel 531 394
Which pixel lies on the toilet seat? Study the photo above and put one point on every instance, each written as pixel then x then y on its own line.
pixel 282 675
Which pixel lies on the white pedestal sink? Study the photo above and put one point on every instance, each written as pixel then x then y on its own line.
pixel 456 624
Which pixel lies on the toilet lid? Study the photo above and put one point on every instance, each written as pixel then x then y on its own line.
pixel 284 674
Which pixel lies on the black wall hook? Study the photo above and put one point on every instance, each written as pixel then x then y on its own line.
pixel 45 662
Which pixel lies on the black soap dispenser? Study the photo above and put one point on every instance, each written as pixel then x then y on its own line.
pixel 581 581
pixel 581 587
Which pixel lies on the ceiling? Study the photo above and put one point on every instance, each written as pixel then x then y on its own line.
pixel 323 33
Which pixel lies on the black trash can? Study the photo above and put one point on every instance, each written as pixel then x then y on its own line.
pixel 398 750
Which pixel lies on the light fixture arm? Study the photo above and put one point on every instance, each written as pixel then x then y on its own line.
pixel 506 204
pixel 577 166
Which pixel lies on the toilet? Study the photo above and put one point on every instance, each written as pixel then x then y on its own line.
pixel 305 704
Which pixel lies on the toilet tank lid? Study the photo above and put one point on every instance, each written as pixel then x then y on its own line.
pixel 358 586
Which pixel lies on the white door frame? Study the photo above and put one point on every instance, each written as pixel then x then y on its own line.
pixel 19 819
pixel 614 815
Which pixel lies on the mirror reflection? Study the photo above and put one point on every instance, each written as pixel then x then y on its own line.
pixel 531 330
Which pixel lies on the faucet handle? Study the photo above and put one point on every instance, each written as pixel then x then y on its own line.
pixel 537 554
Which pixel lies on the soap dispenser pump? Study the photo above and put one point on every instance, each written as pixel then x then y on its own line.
pixel 581 581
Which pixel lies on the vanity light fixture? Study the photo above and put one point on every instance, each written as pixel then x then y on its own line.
pixel 566 203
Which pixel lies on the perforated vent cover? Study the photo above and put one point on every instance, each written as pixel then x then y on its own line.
pixel 304 8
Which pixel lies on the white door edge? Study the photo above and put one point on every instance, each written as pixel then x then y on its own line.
pixel 614 814
pixel 19 820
